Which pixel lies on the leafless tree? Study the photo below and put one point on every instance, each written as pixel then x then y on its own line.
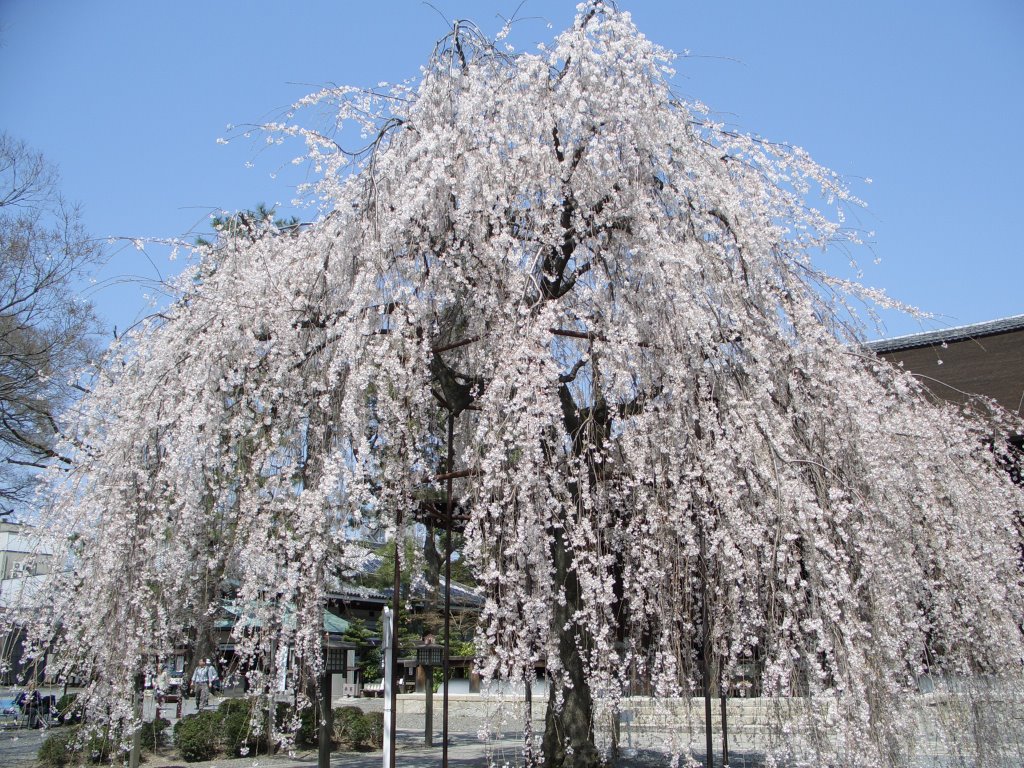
pixel 45 326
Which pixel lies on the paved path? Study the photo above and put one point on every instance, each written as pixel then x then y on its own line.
pixel 18 749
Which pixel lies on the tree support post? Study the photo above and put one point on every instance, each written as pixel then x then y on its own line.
pixel 708 741
pixel 447 590
pixel 390 692
pixel 137 689
pixel 528 757
pixel 428 708
pixel 326 721
pixel 724 699
pixel 706 622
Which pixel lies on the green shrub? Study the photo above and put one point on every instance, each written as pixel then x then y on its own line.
pixel 343 720
pixel 306 735
pixel 309 727
pixel 63 748
pixel 360 735
pixel 67 712
pixel 358 729
pixel 237 728
pixel 101 745
pixel 376 726
pixel 152 734
pixel 198 736
pixel 462 648
pixel 234 705
pixel 57 751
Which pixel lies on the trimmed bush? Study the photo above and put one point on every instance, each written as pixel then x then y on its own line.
pixel 67 712
pixel 358 729
pixel 152 734
pixel 306 735
pixel 309 726
pixel 375 723
pixel 101 745
pixel 345 719
pixel 57 750
pixel 197 736
pixel 64 747
pixel 237 728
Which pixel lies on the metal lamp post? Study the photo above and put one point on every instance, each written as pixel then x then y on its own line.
pixel 429 656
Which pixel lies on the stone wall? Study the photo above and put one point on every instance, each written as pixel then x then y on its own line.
pixel 644 722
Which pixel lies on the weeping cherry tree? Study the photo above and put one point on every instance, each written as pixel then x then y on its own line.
pixel 674 453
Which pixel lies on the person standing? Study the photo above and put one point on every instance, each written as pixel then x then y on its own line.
pixel 161 685
pixel 214 676
pixel 202 678
pixel 29 702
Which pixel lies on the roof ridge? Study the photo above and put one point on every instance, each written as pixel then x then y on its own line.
pixel 957 333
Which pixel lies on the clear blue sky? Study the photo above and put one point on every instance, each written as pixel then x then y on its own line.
pixel 925 98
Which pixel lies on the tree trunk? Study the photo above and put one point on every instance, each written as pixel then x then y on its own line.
pixel 569 731
pixel 432 567
pixel 203 647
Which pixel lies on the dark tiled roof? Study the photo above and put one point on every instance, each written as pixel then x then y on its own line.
pixel 342 588
pixel 961 333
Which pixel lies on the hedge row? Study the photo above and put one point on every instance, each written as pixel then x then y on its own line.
pixel 74 746
pixel 228 730
pixel 231 730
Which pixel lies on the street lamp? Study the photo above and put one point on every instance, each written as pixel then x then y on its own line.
pixel 429 656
